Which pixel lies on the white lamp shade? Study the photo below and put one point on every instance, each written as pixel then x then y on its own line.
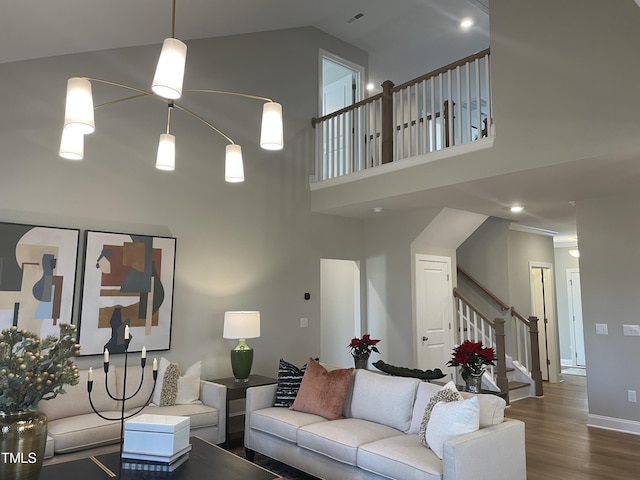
pixel 167 81
pixel 271 137
pixel 166 159
pixel 72 145
pixel 241 324
pixel 233 169
pixel 78 114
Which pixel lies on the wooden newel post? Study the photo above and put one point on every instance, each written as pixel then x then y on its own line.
pixel 536 373
pixel 387 121
pixel 501 357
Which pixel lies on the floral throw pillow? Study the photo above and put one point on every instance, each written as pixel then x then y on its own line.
pixel 447 394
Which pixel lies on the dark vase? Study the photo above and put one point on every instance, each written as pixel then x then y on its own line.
pixel 23 437
pixel 361 361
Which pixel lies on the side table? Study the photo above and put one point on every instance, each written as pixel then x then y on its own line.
pixel 238 391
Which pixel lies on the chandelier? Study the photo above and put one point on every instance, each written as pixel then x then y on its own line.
pixel 167 86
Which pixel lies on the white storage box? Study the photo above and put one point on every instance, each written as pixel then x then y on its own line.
pixel 162 435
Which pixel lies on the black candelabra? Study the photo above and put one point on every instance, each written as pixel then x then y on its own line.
pixel 123 398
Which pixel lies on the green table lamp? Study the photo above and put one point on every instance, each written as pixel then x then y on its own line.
pixel 241 325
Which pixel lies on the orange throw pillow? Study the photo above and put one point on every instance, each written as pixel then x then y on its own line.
pixel 323 392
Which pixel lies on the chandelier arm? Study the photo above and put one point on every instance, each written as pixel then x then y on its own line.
pixel 106 104
pixel 222 92
pixel 121 85
pixel 195 115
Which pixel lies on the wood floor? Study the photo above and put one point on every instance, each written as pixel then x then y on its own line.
pixel 561 446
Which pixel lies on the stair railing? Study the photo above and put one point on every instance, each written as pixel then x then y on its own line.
pixel 474 326
pixel 441 109
pixel 528 348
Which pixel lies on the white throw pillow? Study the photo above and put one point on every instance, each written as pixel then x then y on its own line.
pixel 188 384
pixel 449 420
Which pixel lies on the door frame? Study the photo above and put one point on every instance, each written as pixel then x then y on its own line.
pixel 418 257
pixel 551 330
pixel 322 54
pixel 572 329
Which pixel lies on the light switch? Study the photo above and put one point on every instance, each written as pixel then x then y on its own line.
pixel 304 322
pixel 631 330
pixel 602 329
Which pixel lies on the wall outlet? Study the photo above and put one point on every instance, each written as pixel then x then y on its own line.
pixel 304 322
pixel 602 329
pixel 631 396
pixel 631 330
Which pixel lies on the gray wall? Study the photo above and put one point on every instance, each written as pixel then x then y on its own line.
pixel 246 246
pixel 609 233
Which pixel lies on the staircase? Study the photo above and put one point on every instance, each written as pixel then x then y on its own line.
pixel 517 373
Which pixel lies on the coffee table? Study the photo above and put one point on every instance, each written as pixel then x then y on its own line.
pixel 205 460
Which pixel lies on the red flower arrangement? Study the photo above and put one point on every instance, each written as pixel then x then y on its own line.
pixel 472 357
pixel 360 346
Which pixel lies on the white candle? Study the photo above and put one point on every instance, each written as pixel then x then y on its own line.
pixel 144 352
pixel 155 364
pixel 90 375
pixel 106 355
pixel 126 332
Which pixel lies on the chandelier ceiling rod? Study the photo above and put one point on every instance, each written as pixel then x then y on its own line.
pixel 166 86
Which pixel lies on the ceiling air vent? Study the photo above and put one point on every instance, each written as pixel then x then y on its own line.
pixel 357 16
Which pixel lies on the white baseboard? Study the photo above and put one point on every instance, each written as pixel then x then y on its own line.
pixel 616 424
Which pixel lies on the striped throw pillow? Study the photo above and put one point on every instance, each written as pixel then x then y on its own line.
pixel 289 379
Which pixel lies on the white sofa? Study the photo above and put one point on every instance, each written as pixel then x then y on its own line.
pixel 73 425
pixel 378 436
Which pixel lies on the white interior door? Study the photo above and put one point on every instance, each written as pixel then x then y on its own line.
pixel 434 311
pixel 339 309
pixel 575 314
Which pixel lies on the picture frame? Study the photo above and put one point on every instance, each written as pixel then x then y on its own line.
pixel 38 266
pixel 128 280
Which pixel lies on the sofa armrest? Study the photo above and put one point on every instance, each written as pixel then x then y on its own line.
pixel 215 395
pixel 260 397
pixel 492 453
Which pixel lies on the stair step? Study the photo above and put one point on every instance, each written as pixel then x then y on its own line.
pixel 516 385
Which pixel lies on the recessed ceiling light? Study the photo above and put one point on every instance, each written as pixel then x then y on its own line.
pixel 575 253
pixel 466 23
pixel 378 209
pixel 517 209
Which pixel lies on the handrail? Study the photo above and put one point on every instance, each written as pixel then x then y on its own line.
pixel 397 88
pixel 444 69
pixel 456 293
pixel 503 306
pixel 514 313
pixel 346 109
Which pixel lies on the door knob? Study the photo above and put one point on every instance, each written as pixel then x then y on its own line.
pixel 424 339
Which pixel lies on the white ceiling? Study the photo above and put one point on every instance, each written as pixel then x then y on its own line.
pixel 404 39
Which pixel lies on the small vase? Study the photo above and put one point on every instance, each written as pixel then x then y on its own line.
pixel 473 383
pixel 361 361
pixel 23 438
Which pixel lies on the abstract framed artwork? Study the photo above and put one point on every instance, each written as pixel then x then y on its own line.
pixel 37 276
pixel 127 281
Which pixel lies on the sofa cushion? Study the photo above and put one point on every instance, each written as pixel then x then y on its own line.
pixel 491 408
pixel 281 422
pixel 340 439
pixel 323 392
pixel 289 379
pixel 76 400
pixel 449 420
pixel 383 399
pixel 400 457
pixel 83 431
pixel 200 415
pixel 425 391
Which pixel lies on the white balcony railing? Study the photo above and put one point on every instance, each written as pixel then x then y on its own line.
pixel 448 107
